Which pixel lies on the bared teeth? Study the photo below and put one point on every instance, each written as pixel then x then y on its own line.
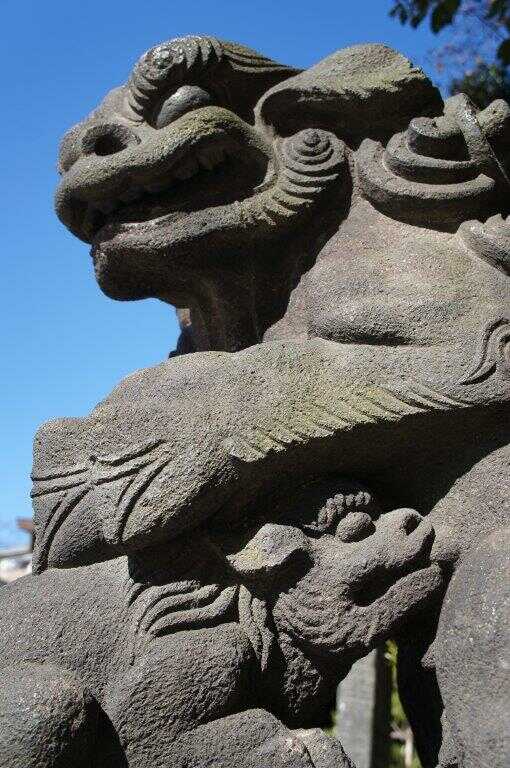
pixel 206 158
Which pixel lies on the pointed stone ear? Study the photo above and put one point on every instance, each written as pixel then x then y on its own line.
pixel 273 548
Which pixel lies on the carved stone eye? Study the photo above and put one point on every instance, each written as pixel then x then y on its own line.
pixel 185 99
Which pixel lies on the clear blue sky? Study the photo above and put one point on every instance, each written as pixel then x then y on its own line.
pixel 64 344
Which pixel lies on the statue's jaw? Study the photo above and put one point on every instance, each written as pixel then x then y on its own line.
pixel 209 157
pixel 156 211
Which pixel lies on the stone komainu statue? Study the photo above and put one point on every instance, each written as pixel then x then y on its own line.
pixel 223 536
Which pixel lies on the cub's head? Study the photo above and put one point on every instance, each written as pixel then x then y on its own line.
pixel 330 571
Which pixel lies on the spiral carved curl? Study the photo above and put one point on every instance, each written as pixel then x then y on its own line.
pixel 310 162
pixel 197 60
pixel 441 171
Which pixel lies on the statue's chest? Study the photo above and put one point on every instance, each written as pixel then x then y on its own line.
pixel 180 680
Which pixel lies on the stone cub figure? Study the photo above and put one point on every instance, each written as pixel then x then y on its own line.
pixel 210 650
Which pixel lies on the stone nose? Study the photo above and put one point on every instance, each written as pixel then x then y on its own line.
pixel 405 537
pixel 98 139
pixel 273 548
pixel 107 139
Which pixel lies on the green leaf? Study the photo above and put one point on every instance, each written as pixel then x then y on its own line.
pixel 400 12
pixel 443 14
pixel 498 8
pixel 504 52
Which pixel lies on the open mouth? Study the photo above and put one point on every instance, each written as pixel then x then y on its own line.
pixel 379 588
pixel 200 181
pixel 215 161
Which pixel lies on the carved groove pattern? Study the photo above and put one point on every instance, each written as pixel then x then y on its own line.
pixel 439 170
pixel 493 349
pixel 311 161
pixel 255 621
pixel 188 60
pixel 334 412
pixel 490 240
pixel 138 468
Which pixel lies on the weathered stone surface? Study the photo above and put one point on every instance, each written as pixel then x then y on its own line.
pixel 210 554
pixel 166 644
pixel 472 653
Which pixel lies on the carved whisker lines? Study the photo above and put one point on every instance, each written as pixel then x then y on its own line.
pixel 59 513
pixel 135 588
pixel 36 492
pixel 59 474
pixel 120 473
pixel 59 480
pixel 107 469
pixel 131 494
pixel 209 615
pixel 125 488
pixel 169 604
pixel 140 466
pixel 98 470
pixel 182 605
pixel 137 451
